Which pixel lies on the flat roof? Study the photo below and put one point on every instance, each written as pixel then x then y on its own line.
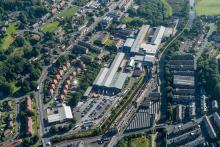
pixel 129 42
pixel 149 48
pixel 146 58
pixel 88 90
pixel 64 112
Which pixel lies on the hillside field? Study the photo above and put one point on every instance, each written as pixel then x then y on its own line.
pixel 207 7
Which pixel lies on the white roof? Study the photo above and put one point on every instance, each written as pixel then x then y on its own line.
pixel 146 58
pixel 140 38
pixel 129 42
pixel 131 63
pixel 107 75
pixel 64 112
pixel 149 48
pixel 158 35
pixel 119 80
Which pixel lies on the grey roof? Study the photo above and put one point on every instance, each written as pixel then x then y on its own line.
pixel 140 37
pixel 186 137
pixel 192 109
pixel 88 90
pixel 184 80
pixel 113 69
pixel 129 42
pixel 140 120
pixel 199 141
pixel 216 119
pixel 109 77
pixel 209 128
pixel 101 76
pixel 119 80
pixel 175 130
pixel 158 35
pixel 149 58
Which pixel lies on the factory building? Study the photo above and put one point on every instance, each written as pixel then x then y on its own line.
pixel 158 35
pixel 147 60
pixel 209 128
pixel 140 38
pixel 140 49
pixel 109 81
pixel 128 45
pixel 216 119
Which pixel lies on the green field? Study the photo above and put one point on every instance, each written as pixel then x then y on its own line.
pixel 128 19
pixel 208 7
pixel 168 7
pixel 69 12
pixel 8 39
pixel 50 27
pixel 142 141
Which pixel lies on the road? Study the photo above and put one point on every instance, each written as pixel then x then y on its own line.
pixel 39 94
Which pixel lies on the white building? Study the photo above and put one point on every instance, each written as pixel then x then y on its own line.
pixel 62 113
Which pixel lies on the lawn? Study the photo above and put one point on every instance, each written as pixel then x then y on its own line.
pixel 208 7
pixel 8 39
pixel 69 12
pixel 141 141
pixel 168 7
pixel 6 42
pixel 50 27
pixel 128 19
pixel 109 42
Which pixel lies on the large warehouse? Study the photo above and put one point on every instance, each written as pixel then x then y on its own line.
pixel 109 81
pixel 140 38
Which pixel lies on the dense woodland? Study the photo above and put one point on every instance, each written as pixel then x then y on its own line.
pixel 154 11
pixel 208 75
pixel 30 8
pixel 18 74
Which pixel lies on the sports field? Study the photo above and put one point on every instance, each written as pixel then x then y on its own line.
pixel 50 27
pixel 207 7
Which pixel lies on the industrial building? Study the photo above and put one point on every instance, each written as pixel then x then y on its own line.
pixel 61 114
pixel 109 81
pixel 183 70
pixel 148 60
pixel 128 45
pixel 158 35
pixel 216 119
pixel 209 128
pixel 140 49
pixel 139 39
pixel 183 81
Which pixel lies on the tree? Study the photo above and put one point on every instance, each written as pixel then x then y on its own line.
pixel 75 99
pixel 23 18
pixel 6 89
pixel 19 41
pixel 53 130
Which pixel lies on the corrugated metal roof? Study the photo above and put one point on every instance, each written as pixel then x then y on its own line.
pixel 158 35
pixel 119 80
pixel 129 42
pixel 113 69
pixel 109 77
pixel 184 80
pixel 101 76
pixel 140 37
